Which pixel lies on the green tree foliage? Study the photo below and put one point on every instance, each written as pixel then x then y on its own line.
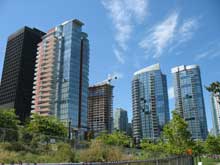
pixel 40 132
pixel 116 138
pixel 8 125
pixel 177 137
pixel 212 145
pixel 47 125
pixel 198 148
pixel 153 149
pixel 214 87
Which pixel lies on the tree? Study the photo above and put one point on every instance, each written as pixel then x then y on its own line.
pixel 214 88
pixel 212 145
pixel 8 125
pixel 198 149
pixel 116 138
pixel 47 125
pixel 177 137
pixel 153 148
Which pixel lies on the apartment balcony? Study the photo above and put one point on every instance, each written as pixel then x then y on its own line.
pixel 45 89
pixel 48 69
pixel 46 113
pixel 48 56
pixel 44 85
pixel 46 94
pixel 44 100
pixel 45 75
pixel 44 105
pixel 47 65
pixel 35 82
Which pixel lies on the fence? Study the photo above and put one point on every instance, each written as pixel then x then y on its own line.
pixel 181 160
pixel 12 135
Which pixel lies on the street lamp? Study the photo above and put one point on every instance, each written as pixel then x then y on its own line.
pixel 69 127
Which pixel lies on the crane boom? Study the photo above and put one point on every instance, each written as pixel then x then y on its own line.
pixel 108 80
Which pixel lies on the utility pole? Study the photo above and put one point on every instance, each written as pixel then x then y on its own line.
pixel 69 128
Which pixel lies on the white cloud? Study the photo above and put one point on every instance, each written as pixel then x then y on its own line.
pixel 171 93
pixel 119 56
pixel 168 33
pixel 160 35
pixel 124 14
pixel 210 52
pixel 187 29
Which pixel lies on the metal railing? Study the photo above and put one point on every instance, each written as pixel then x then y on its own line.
pixel 178 160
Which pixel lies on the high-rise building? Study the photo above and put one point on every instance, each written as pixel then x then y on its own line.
pixel 216 113
pixel 149 102
pixel 189 99
pixel 62 68
pixel 100 100
pixel 121 120
pixel 18 71
pixel 129 131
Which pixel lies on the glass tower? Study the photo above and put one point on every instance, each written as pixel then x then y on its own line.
pixel 216 113
pixel 149 102
pixel 62 68
pixel 121 120
pixel 189 99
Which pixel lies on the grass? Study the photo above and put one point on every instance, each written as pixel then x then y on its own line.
pixel 209 161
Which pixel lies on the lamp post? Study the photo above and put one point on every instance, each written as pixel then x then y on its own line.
pixel 69 129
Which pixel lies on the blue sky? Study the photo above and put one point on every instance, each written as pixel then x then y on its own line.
pixel 127 35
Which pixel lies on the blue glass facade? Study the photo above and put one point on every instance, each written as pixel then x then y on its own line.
pixel 121 120
pixel 189 99
pixel 72 74
pixel 215 98
pixel 149 102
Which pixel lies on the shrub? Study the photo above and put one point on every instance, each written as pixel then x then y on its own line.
pixel 100 152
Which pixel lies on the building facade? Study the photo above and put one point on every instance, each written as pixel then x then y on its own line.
pixel 129 131
pixel 149 102
pixel 61 75
pixel 121 120
pixel 18 71
pixel 189 100
pixel 100 112
pixel 215 98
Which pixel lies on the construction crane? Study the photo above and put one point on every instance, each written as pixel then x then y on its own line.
pixel 108 80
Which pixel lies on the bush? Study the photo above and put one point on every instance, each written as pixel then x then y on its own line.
pixel 64 153
pixel 100 152
pixel 8 157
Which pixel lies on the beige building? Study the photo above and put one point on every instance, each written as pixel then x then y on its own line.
pixel 100 113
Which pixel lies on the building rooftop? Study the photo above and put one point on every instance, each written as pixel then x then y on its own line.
pixel 76 21
pixel 147 69
pixel 183 67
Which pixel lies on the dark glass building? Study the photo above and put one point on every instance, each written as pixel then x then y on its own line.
pixel 18 71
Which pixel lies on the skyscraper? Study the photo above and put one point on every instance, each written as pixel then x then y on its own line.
pixel 100 117
pixel 189 99
pixel 18 71
pixel 121 120
pixel 62 68
pixel 129 131
pixel 149 102
pixel 216 113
